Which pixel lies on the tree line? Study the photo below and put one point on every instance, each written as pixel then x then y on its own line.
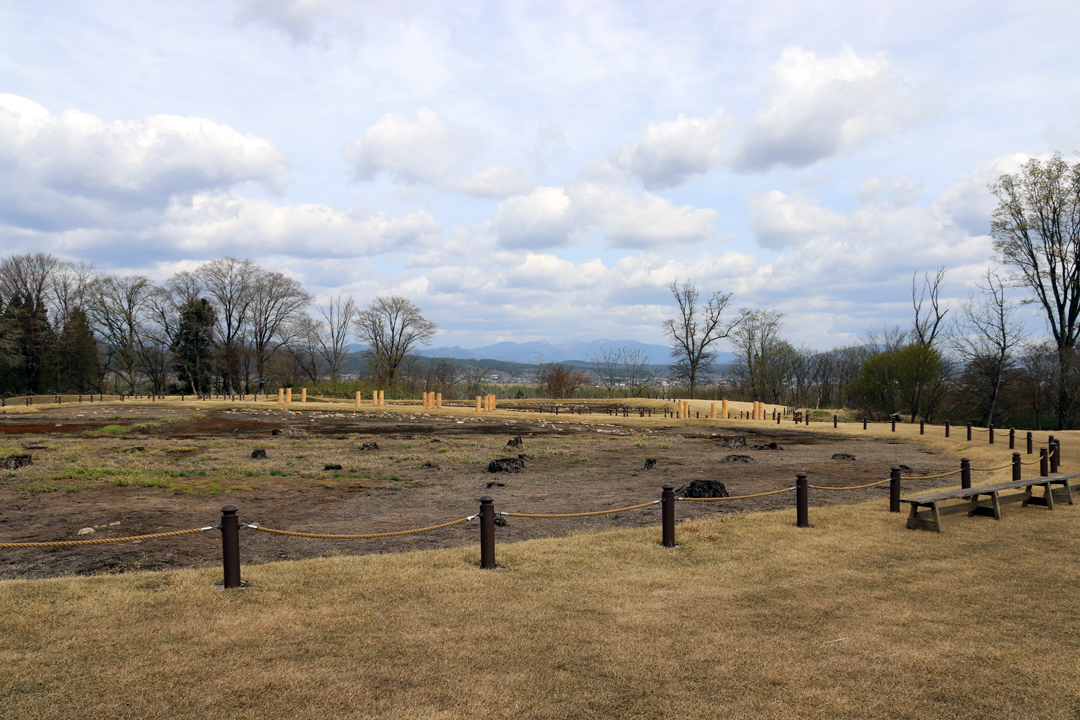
pixel 979 364
pixel 229 327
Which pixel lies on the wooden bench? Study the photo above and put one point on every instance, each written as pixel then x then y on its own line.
pixel 926 514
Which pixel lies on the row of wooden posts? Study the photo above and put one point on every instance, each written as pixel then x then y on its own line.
pixel 683 411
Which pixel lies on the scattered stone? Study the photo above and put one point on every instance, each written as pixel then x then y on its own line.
pixel 523 456
pixel 768 446
pixel 735 442
pixel 501 521
pixel 430 465
pixel 905 468
pixel 435 440
pixel 495 483
pixel 258 454
pixel 368 447
pixel 331 467
pixel 14 462
pixel 136 449
pixel 703 489
pixel 514 442
pixel 650 464
pixel 286 431
pixel 510 465
pixel 737 459
pixel 847 457
pixel 86 531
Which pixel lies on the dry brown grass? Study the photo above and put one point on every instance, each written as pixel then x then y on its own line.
pixel 750 617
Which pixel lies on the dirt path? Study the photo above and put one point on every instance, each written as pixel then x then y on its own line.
pixel 134 470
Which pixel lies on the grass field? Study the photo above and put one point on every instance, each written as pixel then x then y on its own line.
pixel 748 617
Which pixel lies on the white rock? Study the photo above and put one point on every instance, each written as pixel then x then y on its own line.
pixel 86 531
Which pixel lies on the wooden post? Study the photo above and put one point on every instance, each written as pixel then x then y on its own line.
pixel 382 397
pixel 288 396
pixel 281 396
pixel 303 395
pixel 357 398
pixel 712 411
pixel 478 399
pixel 894 489
pixel 438 400
pixel 723 410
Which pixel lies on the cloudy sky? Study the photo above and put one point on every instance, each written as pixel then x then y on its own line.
pixel 542 170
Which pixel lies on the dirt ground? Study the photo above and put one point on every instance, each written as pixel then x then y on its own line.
pixel 127 469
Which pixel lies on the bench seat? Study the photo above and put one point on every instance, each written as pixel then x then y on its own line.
pixel 985 500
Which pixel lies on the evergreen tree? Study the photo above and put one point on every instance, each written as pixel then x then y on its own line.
pixel 79 363
pixel 193 346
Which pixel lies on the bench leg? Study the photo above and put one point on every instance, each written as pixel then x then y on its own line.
pixel 1049 496
pixel 997 506
pixel 922 523
pixel 993 511
pixel 937 517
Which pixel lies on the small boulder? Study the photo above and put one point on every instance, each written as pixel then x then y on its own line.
pixel 430 466
pixel 331 467
pixel 368 447
pixel 138 448
pixel 14 462
pixel 650 464
pixel 514 442
pixel 523 456
pixel 495 483
pixel 511 465
pixel 845 457
pixel 768 446
pixel 258 454
pixel 737 459
pixel 704 489
pixel 501 521
pixel 86 531
pixel 735 442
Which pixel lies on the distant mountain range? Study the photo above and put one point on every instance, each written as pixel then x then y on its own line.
pixel 529 352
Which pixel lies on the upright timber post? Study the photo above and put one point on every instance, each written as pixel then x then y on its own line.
pixel 230 546
pixel 487 532
pixel 667 498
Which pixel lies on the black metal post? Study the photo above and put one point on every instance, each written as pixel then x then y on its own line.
pixel 894 489
pixel 1044 465
pixel 991 429
pixel 947 428
pixel 667 505
pixel 1029 449
pixel 1017 467
pixel 969 431
pixel 965 473
pixel 230 546
pixel 487 532
pixel 864 423
pixel 1052 452
pixel 807 416
pixel 922 426
pixel 834 421
pixel 1012 438
pixel 802 500
pixel 894 423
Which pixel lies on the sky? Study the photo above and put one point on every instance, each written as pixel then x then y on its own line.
pixel 537 170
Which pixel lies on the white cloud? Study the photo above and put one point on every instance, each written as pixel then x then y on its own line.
pixel 302 20
pixel 552 217
pixel 818 107
pixel 429 150
pixel 783 221
pixel 671 152
pixel 74 168
pixel 899 191
pixel 970 203
pixel 541 219
pixel 210 225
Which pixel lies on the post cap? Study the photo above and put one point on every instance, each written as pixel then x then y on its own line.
pixel 229 509
pixel 667 486
pixel 486 499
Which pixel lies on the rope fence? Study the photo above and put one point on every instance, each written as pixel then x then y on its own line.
pixel 230 524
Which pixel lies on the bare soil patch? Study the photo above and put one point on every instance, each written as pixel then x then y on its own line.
pixel 134 470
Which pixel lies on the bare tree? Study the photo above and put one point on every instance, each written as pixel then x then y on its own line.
pixel 1036 231
pixel 606 367
pixel 338 315
pixel 559 380
pixel 275 301
pixel 229 283
pixel 302 347
pixel 636 370
pixel 119 307
pixel 987 336
pixel 697 328
pixel 926 325
pixel 391 326
pixel 756 343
